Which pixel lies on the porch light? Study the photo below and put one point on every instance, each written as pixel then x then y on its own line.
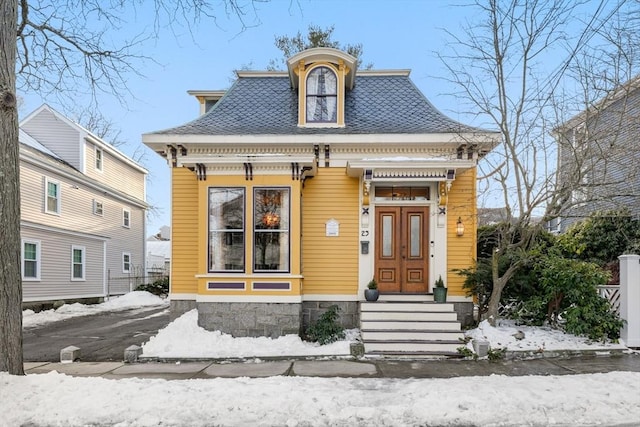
pixel 460 227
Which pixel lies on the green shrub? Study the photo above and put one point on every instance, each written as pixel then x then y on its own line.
pixel 326 329
pixel 159 287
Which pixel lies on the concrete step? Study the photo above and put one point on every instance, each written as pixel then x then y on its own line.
pixel 391 347
pixel 425 306
pixel 413 325
pixel 412 335
pixel 407 316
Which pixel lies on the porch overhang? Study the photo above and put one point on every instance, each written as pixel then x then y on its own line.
pixel 408 170
pixel 298 166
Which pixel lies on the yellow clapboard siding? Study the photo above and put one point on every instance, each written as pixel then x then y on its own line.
pixel 461 249
pixel 184 256
pixel 330 264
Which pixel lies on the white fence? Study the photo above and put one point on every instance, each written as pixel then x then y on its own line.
pixel 612 293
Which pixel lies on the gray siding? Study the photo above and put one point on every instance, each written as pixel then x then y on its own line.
pixel 55 256
pixel 115 173
pixel 56 135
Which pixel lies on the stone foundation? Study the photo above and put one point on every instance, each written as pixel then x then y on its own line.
pixel 250 319
pixel 349 312
pixel 180 307
pixel 464 310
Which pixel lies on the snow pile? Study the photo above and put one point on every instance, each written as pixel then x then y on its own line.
pixel 536 338
pixel 183 338
pixel 571 400
pixel 135 299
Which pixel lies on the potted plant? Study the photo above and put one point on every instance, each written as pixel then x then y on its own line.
pixel 439 291
pixel 372 293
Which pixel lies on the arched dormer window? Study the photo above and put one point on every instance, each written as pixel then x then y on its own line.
pixel 322 96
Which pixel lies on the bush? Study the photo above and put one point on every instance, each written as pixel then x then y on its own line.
pixel 326 329
pixel 159 287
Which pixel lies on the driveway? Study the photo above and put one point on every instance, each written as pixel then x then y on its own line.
pixel 101 337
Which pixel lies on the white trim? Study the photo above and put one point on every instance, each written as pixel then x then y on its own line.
pixel 126 217
pixel 38 259
pixel 97 202
pixel 122 262
pixel 385 72
pixel 249 298
pixel 321 297
pixel 104 268
pixel 160 141
pixel 275 275
pixel 27 224
pixel 456 298
pixel 95 160
pixel 62 297
pixel 29 157
pixel 83 250
pixel 182 297
pixel 58 210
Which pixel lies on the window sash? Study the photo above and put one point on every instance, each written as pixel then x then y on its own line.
pixel 77 263
pixel 321 96
pixel 30 260
pixel 53 197
pixel 126 263
pixel 99 158
pixel 271 222
pixel 126 218
pixel 226 246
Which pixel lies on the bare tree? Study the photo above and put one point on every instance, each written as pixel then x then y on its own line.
pixel 65 48
pixel 501 67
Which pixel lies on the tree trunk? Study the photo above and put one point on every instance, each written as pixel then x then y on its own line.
pixel 10 276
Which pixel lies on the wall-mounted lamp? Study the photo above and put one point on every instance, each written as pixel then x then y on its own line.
pixel 460 227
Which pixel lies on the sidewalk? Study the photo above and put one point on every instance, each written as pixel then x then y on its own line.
pixel 364 368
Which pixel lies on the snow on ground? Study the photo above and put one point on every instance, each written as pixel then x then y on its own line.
pixel 571 400
pixel 536 338
pixel 135 299
pixel 184 338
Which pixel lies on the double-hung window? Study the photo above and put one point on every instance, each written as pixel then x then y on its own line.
pixel 126 218
pixel 30 259
pixel 52 197
pixel 77 263
pixel 271 229
pixel 226 229
pixel 322 96
pixel 99 159
pixel 126 262
pixel 98 208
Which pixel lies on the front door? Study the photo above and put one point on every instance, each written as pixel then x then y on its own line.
pixel 402 248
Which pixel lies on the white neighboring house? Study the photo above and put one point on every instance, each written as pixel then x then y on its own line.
pixel 83 212
pixel 159 254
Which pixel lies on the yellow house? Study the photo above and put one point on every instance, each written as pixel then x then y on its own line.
pixel 292 190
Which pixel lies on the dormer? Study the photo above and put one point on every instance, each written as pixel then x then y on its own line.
pixel 322 76
pixel 207 98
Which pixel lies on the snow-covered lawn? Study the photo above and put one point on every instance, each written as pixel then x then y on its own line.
pixel 571 400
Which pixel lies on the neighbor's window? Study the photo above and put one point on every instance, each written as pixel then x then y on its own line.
pixel 126 218
pixel 322 96
pixel 226 229
pixel 52 197
pixel 30 260
pixel 271 229
pixel 126 262
pixel 97 208
pixel 77 262
pixel 99 159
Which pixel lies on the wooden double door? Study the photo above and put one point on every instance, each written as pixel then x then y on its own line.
pixel 402 249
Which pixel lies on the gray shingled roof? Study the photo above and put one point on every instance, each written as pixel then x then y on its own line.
pixel 389 104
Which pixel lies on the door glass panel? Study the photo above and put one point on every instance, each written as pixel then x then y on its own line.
pixel 387 235
pixel 415 234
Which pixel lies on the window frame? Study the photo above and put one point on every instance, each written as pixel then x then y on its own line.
pixel 126 218
pixel 333 95
pixel 287 231
pixel 126 263
pixel 99 159
pixel 95 208
pixel 37 260
pixel 83 263
pixel 58 198
pixel 210 231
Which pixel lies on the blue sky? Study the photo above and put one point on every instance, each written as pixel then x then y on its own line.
pixel 395 34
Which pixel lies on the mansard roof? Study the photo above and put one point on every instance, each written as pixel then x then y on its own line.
pixel 265 103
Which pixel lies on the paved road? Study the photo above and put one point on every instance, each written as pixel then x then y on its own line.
pixel 100 337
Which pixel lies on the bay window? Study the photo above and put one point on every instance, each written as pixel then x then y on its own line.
pixel 271 229
pixel 226 229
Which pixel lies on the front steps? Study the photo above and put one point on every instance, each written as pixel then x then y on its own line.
pixel 409 326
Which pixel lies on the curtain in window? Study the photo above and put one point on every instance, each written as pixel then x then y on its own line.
pixel 226 229
pixel 321 95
